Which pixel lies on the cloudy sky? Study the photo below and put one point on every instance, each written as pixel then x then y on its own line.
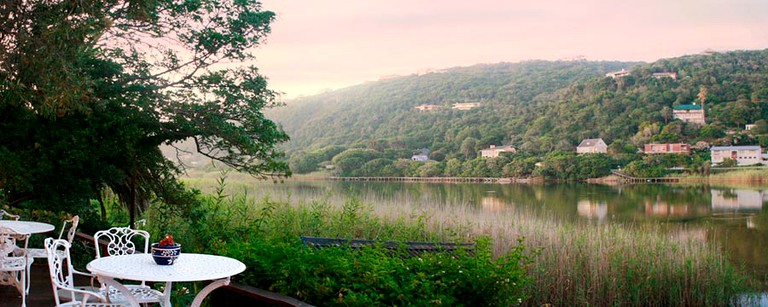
pixel 330 44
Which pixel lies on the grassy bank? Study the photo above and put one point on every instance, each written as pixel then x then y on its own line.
pixel 745 176
pixel 570 264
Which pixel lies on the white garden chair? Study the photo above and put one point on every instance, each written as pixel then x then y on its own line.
pixel 13 267
pixel 120 242
pixel 62 281
pixel 40 253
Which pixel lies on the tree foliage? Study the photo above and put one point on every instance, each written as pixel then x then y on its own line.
pixel 90 89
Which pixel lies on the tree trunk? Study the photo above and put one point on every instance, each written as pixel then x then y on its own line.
pixel 132 203
pixel 101 205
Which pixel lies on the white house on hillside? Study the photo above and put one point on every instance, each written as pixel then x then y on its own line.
pixel 463 106
pixel 422 155
pixel 592 146
pixel 744 155
pixel 618 74
pixel 494 151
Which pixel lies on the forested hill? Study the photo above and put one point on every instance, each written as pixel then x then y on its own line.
pixel 536 106
pixel 386 109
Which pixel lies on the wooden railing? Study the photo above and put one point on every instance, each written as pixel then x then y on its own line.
pixel 412 249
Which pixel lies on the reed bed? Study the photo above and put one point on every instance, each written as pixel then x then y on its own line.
pixel 574 264
pixel 754 176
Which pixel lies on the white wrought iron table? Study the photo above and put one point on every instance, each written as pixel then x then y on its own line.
pixel 24 228
pixel 187 268
pixel 27 227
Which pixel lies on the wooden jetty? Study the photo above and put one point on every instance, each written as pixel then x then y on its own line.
pixel 429 179
pixel 629 179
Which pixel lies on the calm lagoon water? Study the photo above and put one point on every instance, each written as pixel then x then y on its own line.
pixel 730 217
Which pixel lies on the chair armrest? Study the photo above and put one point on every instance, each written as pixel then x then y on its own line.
pixel 75 271
pixel 86 294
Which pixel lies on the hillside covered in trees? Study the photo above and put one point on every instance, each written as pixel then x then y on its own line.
pixel 544 109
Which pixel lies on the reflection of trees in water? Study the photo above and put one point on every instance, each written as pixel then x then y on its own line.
pixel 635 203
pixel 746 241
pixel 689 208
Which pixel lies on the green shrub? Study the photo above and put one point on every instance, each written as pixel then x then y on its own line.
pixel 264 235
pixel 374 276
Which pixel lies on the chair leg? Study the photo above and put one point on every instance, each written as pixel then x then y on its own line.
pixel 23 288
pixel 28 273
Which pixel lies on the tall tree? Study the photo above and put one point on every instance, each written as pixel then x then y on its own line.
pixel 89 90
pixel 702 95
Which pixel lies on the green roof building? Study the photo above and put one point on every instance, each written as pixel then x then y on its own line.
pixel 691 113
pixel 688 107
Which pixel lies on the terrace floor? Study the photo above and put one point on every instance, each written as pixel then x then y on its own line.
pixel 40 291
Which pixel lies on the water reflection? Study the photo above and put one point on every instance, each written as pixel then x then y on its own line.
pixel 492 204
pixel 659 207
pixel 737 200
pixel 592 209
pixel 729 217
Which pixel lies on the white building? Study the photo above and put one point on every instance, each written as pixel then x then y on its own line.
pixel 744 155
pixel 494 151
pixel 618 74
pixel 463 106
pixel 592 146
pixel 422 155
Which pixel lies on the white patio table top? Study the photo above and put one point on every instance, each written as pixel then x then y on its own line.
pixel 188 267
pixel 27 227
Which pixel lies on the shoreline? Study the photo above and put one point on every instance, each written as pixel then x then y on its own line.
pixel 761 177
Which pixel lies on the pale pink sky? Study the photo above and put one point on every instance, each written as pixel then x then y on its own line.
pixel 330 44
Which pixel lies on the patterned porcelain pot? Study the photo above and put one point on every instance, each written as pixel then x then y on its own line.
pixel 165 255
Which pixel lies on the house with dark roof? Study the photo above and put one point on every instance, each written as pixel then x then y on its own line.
pixel 592 146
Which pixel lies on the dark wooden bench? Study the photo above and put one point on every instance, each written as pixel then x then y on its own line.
pixel 414 249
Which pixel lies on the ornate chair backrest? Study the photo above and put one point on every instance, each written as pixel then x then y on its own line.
pixel 72 228
pixel 7 241
pixel 4 214
pixel 59 265
pixel 120 240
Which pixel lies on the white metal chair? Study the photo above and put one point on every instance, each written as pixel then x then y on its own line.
pixel 120 242
pixel 40 252
pixel 62 281
pixel 4 214
pixel 13 267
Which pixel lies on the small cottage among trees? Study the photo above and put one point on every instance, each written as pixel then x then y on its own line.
pixel 592 146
